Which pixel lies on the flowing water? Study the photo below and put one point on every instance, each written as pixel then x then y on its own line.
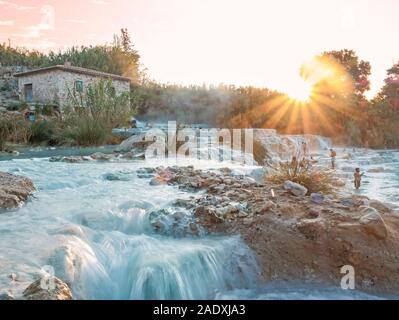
pixel 95 232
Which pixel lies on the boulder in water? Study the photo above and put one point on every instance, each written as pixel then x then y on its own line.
pixel 14 190
pixel 60 291
pixel 102 156
pixel 69 159
pixel 376 170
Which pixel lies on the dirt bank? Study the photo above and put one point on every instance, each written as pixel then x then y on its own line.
pixel 307 238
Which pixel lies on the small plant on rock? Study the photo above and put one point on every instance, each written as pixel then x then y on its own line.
pixel 315 179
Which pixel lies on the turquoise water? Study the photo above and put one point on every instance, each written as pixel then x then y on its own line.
pixel 96 234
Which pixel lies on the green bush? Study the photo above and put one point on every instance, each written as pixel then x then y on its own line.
pixel 48 110
pixel 42 131
pixel 84 132
pixel 93 114
pixel 17 106
pixel 14 129
pixel 4 133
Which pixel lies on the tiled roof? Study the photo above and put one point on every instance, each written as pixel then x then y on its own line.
pixel 73 69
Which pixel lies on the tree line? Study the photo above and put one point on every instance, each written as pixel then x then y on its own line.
pixel 338 107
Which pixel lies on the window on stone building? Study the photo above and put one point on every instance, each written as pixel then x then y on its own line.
pixel 79 86
pixel 112 91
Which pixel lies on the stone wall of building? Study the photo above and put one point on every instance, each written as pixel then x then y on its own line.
pixel 52 87
pixel 44 87
pixel 66 83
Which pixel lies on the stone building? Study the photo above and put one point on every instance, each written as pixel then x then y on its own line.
pixel 52 85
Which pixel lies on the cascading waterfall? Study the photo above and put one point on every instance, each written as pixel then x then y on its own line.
pixel 283 147
pixel 96 234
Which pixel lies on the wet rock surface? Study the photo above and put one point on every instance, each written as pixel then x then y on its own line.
pixel 58 290
pixel 14 190
pixel 296 237
pixel 98 156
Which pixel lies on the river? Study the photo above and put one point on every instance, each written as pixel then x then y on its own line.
pixel 96 234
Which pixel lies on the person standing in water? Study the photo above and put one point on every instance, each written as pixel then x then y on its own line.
pixel 358 178
pixel 304 149
pixel 294 162
pixel 333 155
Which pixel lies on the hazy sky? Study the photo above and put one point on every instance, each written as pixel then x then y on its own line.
pixel 257 42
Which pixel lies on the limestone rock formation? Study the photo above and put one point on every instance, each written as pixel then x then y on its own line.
pixel 14 190
pixel 297 237
pixel 60 291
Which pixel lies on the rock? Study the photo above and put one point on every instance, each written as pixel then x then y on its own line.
pixel 178 215
pixel 159 226
pixel 134 142
pixel 201 210
pixel 146 170
pixel 360 200
pixel 102 156
pixel 226 212
pixel 14 190
pixel 248 221
pixel 182 203
pixel 193 229
pixel 128 155
pixel 6 295
pixel 133 156
pixel 347 202
pixel 157 182
pixel 380 206
pixel 116 176
pixel 217 188
pixel 314 213
pixel 69 159
pixel 60 291
pixel 339 182
pixel 295 188
pixel 266 207
pixel 373 223
pixel 286 209
pixel 310 228
pixel 317 198
pixel 144 176
pixel 376 170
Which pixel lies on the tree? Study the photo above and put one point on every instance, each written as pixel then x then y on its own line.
pixel 119 58
pixel 359 70
pixel 390 91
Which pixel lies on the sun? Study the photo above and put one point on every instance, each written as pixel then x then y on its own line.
pixel 300 90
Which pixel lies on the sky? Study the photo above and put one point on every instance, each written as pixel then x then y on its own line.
pixel 241 42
